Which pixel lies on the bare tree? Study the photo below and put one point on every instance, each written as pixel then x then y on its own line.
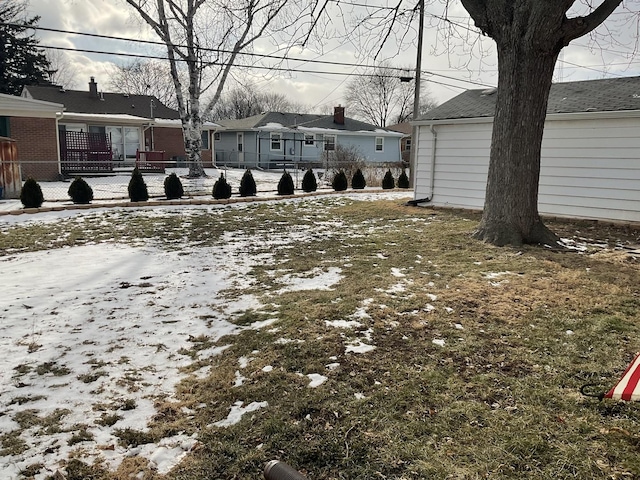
pixel 246 100
pixel 207 38
pixel 529 35
pixel 382 97
pixel 150 77
pixel 63 72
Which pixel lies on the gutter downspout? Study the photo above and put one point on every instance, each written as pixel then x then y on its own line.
pixel 434 143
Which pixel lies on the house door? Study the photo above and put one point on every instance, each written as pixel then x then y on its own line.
pixel 240 148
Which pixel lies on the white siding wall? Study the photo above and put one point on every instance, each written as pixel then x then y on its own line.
pixel 590 168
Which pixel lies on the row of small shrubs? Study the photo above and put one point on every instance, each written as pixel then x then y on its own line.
pixel 81 192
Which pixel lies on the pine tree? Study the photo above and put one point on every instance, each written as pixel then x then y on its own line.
pixel 80 191
pixel 309 182
pixel 285 185
pixel 21 61
pixel 173 188
pixel 31 194
pixel 388 183
pixel 247 184
pixel 221 189
pixel 137 188
pixel 340 182
pixel 403 180
pixel 358 182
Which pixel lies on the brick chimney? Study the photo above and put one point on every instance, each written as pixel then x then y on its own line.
pixel 93 88
pixel 338 115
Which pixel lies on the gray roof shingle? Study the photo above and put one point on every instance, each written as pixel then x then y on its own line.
pixel 290 120
pixel 605 95
pixel 78 101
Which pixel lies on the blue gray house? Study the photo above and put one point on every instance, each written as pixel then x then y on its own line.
pixel 277 140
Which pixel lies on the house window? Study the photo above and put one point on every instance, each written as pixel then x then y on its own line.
pixel 329 143
pixel 205 139
pixel 407 144
pixel 309 139
pixel 216 137
pixel 379 144
pixel 276 141
pixel 5 131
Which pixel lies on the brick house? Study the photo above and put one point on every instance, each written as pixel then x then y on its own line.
pixel 33 124
pixel 131 123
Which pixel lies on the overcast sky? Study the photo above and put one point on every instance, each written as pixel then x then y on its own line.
pixel 457 63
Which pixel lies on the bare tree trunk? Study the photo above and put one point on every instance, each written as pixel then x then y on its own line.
pixel 511 203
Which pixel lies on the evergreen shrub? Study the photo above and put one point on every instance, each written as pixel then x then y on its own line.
pixel 388 183
pixel 221 189
pixel 31 194
pixel 403 180
pixel 309 182
pixel 247 185
pixel 173 188
pixel 339 182
pixel 358 182
pixel 285 185
pixel 137 188
pixel 80 191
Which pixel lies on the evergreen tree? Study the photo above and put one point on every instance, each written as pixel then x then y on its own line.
pixel 309 182
pixel 21 61
pixel 358 182
pixel 388 183
pixel 221 189
pixel 403 180
pixel 247 185
pixel 31 194
pixel 285 185
pixel 340 182
pixel 80 191
pixel 137 188
pixel 173 188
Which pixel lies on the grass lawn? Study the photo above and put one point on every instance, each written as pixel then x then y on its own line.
pixel 394 346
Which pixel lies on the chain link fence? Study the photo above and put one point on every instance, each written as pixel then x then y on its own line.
pixel 113 184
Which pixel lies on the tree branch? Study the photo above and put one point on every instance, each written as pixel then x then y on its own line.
pixel 579 26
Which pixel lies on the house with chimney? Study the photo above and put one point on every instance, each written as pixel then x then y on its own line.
pixel 294 140
pixel 99 131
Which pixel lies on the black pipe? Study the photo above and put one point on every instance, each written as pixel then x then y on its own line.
pixel 414 203
pixel 277 470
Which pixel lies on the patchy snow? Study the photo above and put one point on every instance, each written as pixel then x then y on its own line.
pixel 237 411
pixel 316 380
pixel 316 279
pixel 438 341
pixel 359 346
pixel 106 329
pixel 342 323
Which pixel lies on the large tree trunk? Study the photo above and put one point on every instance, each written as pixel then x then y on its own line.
pixel 511 204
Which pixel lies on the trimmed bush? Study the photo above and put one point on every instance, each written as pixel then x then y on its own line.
pixel 247 185
pixel 388 183
pixel 173 188
pixel 221 189
pixel 31 194
pixel 137 188
pixel 358 182
pixel 285 185
pixel 339 182
pixel 309 182
pixel 403 180
pixel 80 191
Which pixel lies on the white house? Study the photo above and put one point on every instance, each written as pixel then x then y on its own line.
pixel 590 162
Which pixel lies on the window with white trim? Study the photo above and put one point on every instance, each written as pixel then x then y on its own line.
pixel 329 143
pixel 276 142
pixel 407 144
pixel 309 139
pixel 216 137
pixel 379 144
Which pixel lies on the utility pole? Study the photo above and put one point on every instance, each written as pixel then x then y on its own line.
pixel 416 100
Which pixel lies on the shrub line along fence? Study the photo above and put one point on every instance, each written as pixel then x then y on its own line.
pixel 202 200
